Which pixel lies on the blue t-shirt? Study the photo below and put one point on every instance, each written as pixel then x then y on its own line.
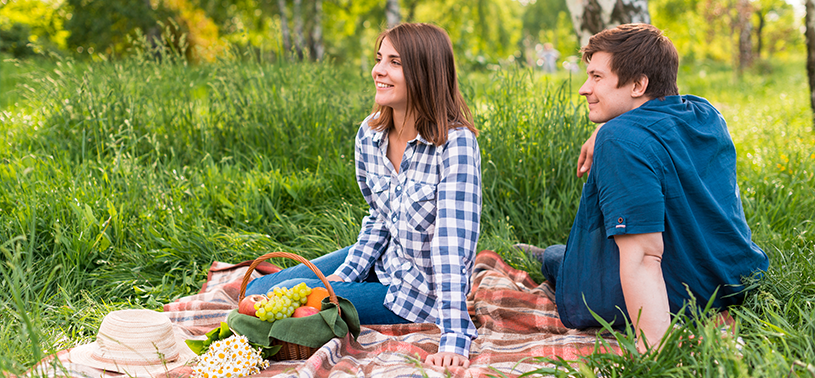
pixel 667 166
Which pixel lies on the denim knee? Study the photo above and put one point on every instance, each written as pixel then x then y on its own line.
pixel 552 259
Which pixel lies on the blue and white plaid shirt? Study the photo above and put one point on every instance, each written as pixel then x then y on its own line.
pixel 421 232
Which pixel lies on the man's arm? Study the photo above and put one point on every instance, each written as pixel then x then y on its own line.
pixel 644 286
pixel 587 153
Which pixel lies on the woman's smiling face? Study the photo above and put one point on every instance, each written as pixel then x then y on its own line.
pixel 391 87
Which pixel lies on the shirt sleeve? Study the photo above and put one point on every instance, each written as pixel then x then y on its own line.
pixel 629 185
pixel 454 243
pixel 373 237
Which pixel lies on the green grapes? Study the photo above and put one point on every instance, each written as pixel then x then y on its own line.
pixel 281 302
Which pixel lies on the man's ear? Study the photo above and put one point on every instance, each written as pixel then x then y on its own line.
pixel 639 87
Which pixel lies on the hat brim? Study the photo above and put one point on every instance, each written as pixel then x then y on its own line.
pixel 83 355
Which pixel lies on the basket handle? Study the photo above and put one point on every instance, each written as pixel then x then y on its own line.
pixel 248 276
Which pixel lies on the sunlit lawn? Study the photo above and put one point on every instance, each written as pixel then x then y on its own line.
pixel 121 182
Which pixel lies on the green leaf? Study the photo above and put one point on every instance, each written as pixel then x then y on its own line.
pixel 197 346
pixel 218 333
pixel 224 331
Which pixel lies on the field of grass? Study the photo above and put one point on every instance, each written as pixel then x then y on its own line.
pixel 120 182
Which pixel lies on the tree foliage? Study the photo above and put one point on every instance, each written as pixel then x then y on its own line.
pixel 108 26
pixel 548 21
pixel 708 29
pixel 28 26
pixel 593 16
pixel 104 25
pixel 485 33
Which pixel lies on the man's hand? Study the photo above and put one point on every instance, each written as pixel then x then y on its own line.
pixel 587 154
pixel 448 359
pixel 646 296
pixel 334 277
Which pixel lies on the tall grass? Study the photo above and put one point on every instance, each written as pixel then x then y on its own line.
pixel 121 181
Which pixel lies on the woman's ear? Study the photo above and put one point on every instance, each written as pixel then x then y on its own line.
pixel 639 87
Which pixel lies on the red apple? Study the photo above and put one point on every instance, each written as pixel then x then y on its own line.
pixel 247 305
pixel 304 311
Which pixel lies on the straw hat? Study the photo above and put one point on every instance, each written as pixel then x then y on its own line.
pixel 139 343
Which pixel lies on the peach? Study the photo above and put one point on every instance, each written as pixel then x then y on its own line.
pixel 304 311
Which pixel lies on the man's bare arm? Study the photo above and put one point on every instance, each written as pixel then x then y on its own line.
pixel 644 286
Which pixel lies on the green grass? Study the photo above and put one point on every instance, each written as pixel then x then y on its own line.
pixel 120 182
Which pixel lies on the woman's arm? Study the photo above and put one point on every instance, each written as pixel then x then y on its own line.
pixel 586 157
pixel 458 215
pixel 373 237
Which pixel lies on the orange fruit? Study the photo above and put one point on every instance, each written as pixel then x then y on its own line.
pixel 315 299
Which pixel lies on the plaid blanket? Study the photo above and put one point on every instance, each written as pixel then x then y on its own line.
pixel 516 319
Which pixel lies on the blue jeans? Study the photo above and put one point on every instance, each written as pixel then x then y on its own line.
pixel 552 260
pixel 368 297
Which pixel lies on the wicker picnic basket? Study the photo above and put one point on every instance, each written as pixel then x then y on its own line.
pixel 290 351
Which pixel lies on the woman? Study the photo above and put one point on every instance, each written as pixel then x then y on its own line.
pixel 418 167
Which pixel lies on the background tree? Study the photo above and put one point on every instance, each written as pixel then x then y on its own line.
pixel 482 31
pixel 709 30
pixel 29 26
pixel 744 11
pixel 317 33
pixel 593 16
pixel 199 31
pixel 299 38
pixel 392 13
pixel 106 26
pixel 103 26
pixel 284 25
pixel 810 40
pixel 486 33
pixel 547 21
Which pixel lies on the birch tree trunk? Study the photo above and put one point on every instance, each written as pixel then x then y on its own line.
pixel 317 32
pixel 810 38
pixel 299 38
pixel 392 14
pixel 284 26
pixel 745 34
pixel 153 34
pixel 590 17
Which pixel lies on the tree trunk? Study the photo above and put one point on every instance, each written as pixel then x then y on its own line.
pixel 284 26
pixel 411 14
pixel 317 32
pixel 392 14
pixel 759 34
pixel 590 17
pixel 153 34
pixel 745 35
pixel 299 38
pixel 810 38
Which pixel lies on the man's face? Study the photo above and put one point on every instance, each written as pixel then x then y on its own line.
pixel 606 101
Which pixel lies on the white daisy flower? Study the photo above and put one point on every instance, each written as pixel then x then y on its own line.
pixel 230 358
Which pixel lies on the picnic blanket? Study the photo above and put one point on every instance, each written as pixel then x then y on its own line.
pixel 515 317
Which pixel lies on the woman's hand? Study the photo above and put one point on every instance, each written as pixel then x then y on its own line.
pixel 587 154
pixel 335 278
pixel 448 359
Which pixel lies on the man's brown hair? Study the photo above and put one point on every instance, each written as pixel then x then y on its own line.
pixel 637 50
pixel 432 88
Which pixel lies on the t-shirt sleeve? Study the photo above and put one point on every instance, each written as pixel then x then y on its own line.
pixel 629 187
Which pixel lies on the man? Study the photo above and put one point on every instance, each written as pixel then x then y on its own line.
pixel 660 218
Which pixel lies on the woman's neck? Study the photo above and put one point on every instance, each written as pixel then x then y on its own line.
pixel 404 125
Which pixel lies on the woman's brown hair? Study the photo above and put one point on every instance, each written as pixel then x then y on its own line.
pixel 432 87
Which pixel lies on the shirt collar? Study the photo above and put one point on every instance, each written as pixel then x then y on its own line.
pixel 378 135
